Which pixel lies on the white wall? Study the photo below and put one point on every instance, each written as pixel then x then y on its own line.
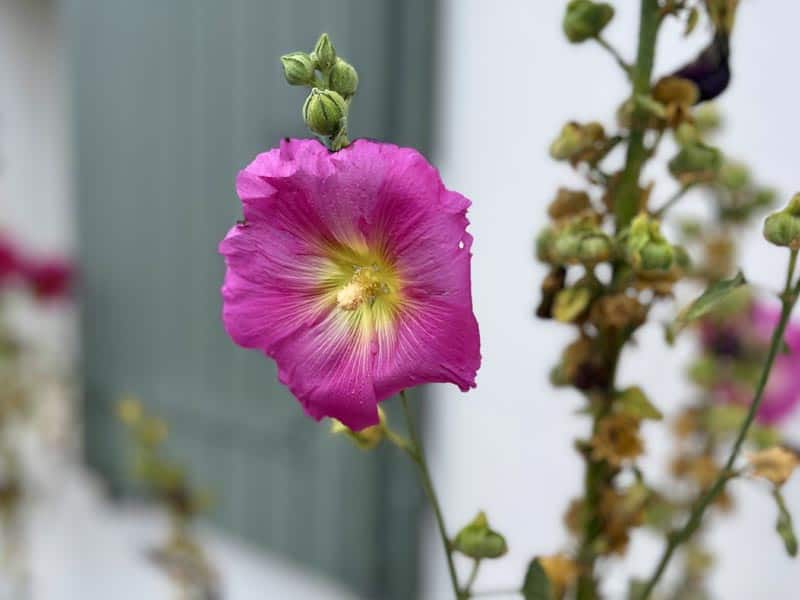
pixel 508 79
pixel 34 187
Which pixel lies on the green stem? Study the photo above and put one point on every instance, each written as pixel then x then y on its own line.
pixel 467 592
pixel 626 201
pixel 673 200
pixel 676 538
pixel 625 66
pixel 415 451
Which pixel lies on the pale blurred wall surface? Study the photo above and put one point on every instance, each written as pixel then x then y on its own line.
pixel 507 81
pixel 35 203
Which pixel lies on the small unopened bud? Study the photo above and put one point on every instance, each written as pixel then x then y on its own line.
pixel 578 141
pixel 594 248
pixel 675 90
pixel 298 68
pixel 774 464
pixel 568 143
pixel 707 118
pixel 323 111
pixel 734 176
pixel 571 303
pixel 696 161
pixel 544 244
pixel 477 540
pixel 344 78
pixel 782 228
pixel 656 256
pixel 568 203
pixel 566 247
pixel 586 19
pixel 325 53
pixel 646 247
pixel 686 134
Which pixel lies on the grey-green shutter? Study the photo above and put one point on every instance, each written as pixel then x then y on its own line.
pixel 171 98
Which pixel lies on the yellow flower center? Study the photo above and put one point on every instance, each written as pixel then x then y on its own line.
pixel 363 288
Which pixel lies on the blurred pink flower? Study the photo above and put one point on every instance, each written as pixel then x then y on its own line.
pixel 50 278
pixel 9 260
pixel 748 338
pixel 352 271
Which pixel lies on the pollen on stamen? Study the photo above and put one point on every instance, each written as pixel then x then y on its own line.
pixel 365 286
pixel 350 296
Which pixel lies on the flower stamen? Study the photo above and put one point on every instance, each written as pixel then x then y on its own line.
pixel 364 287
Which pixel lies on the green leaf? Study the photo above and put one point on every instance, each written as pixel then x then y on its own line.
pixel 536 585
pixel 784 525
pixel 633 402
pixel 714 295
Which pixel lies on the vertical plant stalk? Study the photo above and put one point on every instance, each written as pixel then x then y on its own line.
pixel 676 538
pixel 626 203
pixel 415 451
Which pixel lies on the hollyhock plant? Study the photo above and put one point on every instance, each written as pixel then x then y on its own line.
pixel 351 270
pixel 738 346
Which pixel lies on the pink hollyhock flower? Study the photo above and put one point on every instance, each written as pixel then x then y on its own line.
pixel 49 279
pixel 9 260
pixel 747 339
pixel 352 271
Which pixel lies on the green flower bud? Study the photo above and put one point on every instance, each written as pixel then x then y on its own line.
pixel 566 247
pixel 344 78
pixel 325 53
pixel 298 68
pixel 585 19
pixel 695 160
pixel 734 176
pixel 544 244
pixel 594 248
pixel 477 540
pixel 764 197
pixel 568 143
pixel 656 256
pixel 707 118
pixel 782 228
pixel 571 303
pixel 686 134
pixel 646 248
pixel 324 111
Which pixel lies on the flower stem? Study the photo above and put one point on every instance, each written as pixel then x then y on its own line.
pixel 417 454
pixel 615 55
pixel 626 202
pixel 673 200
pixel 676 538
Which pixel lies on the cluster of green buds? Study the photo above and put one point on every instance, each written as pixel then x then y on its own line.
pixel 585 20
pixel 646 248
pixel 579 240
pixel 695 162
pixel 782 228
pixel 577 142
pixel 326 108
